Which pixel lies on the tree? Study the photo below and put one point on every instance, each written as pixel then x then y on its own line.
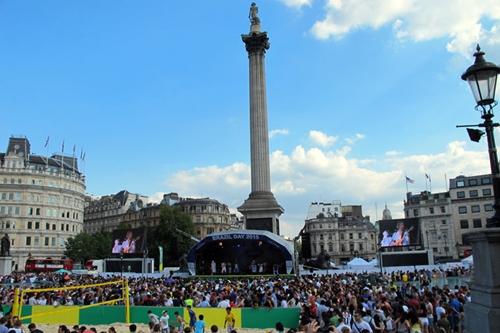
pixel 86 246
pixel 165 234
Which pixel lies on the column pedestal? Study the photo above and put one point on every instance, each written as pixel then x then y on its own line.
pixel 5 265
pixel 261 212
pixel 482 314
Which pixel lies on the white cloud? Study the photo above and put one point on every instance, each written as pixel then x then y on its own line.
pixel 463 23
pixel 355 138
pixel 278 131
pixel 321 138
pixel 308 174
pixel 297 3
pixel 392 153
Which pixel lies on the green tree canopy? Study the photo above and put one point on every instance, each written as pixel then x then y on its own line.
pixel 86 246
pixel 165 234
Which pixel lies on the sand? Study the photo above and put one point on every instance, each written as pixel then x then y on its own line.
pixel 123 328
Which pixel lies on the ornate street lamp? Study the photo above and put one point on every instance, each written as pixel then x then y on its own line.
pixel 482 78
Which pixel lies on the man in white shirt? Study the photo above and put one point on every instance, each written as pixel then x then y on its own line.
pixel 342 325
pixel 224 304
pixel 164 322
pixel 359 325
pixel 440 311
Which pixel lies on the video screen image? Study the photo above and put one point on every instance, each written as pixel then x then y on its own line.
pixel 128 242
pixel 402 232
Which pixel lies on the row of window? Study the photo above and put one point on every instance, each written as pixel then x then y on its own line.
pixel 211 219
pixel 343 236
pixel 352 247
pixel 473 182
pixel 36 225
pixel 475 208
pixel 474 193
pixel 10 210
pixel 204 208
pixel 476 223
pixel 442 209
pixel 39 182
pixel 46 241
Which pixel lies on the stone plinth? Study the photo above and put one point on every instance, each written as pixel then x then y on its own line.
pixel 483 312
pixel 261 212
pixel 5 265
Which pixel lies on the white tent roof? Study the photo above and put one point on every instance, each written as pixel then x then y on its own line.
pixel 357 262
pixel 468 260
pixel 373 262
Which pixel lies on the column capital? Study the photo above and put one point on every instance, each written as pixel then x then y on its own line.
pixel 256 42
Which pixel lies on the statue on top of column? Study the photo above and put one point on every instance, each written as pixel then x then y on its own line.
pixel 254 18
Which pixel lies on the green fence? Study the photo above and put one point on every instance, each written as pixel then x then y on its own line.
pixel 105 315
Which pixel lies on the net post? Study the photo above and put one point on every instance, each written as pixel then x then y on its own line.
pixel 16 305
pixel 127 301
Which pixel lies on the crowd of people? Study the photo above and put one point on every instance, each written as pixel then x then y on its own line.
pixel 400 302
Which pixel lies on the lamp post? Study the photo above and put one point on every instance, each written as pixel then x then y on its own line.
pixel 483 311
pixel 482 78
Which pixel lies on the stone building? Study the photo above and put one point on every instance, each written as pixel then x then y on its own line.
pixel 208 215
pixel 472 204
pixel 341 237
pixel 326 208
pixel 41 201
pixel 434 211
pixel 105 213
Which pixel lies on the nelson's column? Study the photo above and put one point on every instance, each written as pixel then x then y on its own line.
pixel 261 210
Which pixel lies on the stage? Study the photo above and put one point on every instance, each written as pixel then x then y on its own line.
pixel 242 252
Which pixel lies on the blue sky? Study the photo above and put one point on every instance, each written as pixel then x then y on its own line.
pixel 156 93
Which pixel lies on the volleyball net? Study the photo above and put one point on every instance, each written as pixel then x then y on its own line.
pixel 22 295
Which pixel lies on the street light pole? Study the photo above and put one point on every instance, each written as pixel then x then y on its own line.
pixel 483 311
pixel 495 173
pixel 482 78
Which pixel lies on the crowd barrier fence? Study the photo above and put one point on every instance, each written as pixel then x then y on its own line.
pixel 106 315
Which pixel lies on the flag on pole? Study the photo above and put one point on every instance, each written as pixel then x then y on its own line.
pixel 409 180
pixel 63 147
pixel 74 149
pixel 428 177
pixel 81 153
pixel 47 142
pixel 83 157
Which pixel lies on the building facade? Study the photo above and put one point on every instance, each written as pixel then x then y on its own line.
pixel 437 228
pixel 341 237
pixel 208 215
pixel 41 201
pixel 472 204
pixel 105 213
pixel 326 208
